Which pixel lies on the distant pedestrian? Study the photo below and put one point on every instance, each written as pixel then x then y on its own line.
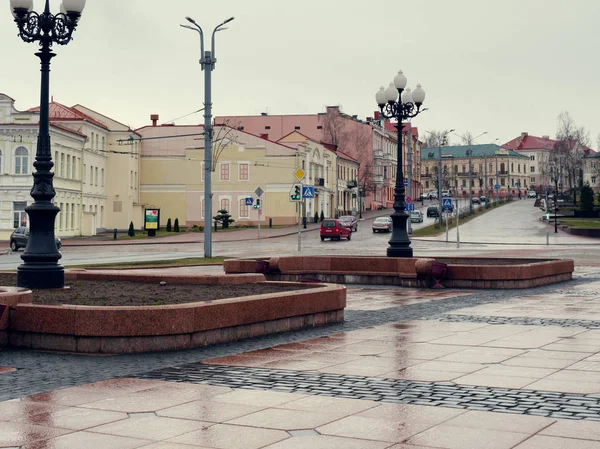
pixel 519 194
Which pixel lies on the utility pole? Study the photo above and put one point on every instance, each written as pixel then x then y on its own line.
pixel 207 64
pixel 470 183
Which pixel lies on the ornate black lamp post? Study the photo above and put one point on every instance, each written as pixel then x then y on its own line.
pixel 41 268
pixel 408 106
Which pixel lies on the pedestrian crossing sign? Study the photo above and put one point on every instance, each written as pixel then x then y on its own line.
pixel 308 192
pixel 446 203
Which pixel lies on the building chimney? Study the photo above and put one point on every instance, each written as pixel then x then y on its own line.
pixel 264 114
pixel 545 137
pixel 523 135
pixel 377 115
pixel 154 118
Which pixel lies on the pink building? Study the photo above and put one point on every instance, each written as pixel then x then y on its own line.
pixel 351 135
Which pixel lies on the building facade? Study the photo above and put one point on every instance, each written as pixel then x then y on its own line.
pixel 81 142
pixel 172 174
pixel 494 170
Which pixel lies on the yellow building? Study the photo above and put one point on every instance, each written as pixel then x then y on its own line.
pixel 172 174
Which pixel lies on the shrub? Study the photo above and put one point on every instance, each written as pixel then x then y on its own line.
pixel 316 217
pixel 131 231
pixel 176 227
pixel 169 225
pixel 224 218
pixel 587 198
pixel 322 216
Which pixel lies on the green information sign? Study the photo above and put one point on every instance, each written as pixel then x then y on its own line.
pixel 151 221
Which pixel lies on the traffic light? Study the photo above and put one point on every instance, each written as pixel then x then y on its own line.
pixel 296 192
pixel 257 204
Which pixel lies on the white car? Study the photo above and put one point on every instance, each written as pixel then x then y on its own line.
pixel 445 193
pixel 531 194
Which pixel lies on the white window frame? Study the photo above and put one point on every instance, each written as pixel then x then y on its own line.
pixel 23 161
pixel 240 163
pixel 242 202
pixel 221 164
pixel 228 198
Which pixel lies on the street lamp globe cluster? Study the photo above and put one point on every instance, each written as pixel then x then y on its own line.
pixel 40 268
pixel 400 103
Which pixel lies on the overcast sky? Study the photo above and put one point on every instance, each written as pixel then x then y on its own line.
pixel 487 65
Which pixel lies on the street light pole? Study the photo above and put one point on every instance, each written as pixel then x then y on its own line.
pixel 41 269
pixel 207 63
pixel 400 103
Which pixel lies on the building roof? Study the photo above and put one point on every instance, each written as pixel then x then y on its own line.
pixel 60 112
pixel 527 142
pixel 460 151
pixel 329 146
pixel 346 156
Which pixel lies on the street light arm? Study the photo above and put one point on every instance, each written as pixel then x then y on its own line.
pixel 197 28
pixel 218 28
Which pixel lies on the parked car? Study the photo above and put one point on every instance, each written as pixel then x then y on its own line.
pixel 350 221
pixel 334 230
pixel 483 198
pixel 476 200
pixel 416 216
pixel 20 236
pixel 446 193
pixel 382 224
pixel 531 194
pixel 432 195
pixel 433 211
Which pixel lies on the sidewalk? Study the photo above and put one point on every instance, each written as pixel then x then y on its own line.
pixel 198 237
pixel 409 369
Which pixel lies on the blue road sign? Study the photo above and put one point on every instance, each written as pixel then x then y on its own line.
pixel 308 192
pixel 446 203
pixel 497 186
pixel 410 207
pixel 406 184
pixel 249 201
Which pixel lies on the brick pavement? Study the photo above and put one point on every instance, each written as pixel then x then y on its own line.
pixel 459 369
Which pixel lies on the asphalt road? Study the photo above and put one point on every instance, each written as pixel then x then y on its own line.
pixel 510 229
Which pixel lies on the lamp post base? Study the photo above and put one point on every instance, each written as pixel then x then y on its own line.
pixel 399 242
pixel 41 276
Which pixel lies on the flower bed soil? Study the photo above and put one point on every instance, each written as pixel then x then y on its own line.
pixel 125 293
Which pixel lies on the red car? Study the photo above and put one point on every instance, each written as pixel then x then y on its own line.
pixel 334 230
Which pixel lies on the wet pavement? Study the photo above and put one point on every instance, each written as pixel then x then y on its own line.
pixel 409 369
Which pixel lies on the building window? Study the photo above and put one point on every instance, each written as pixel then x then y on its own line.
pixel 66 216
pixel 225 204
pixel 60 216
pixel 491 168
pixel 19 214
pixel 91 175
pixel 103 143
pixel 135 180
pixel 532 169
pixel 464 169
pixel 202 170
pixel 84 172
pixel 96 180
pixel 21 161
pixel 224 172
pixel 244 212
pixel 296 127
pixel 68 166
pixel 0 162
pixel 131 179
pixel 593 180
pixel 532 180
pixel 532 158
pixel 244 172
pixel 73 167
pixel 267 127
pixel 102 177
pixel 512 167
pixel 426 184
pixel 319 127
pixel 502 182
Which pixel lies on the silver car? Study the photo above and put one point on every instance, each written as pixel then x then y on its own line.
pixel 416 216
pixel 382 224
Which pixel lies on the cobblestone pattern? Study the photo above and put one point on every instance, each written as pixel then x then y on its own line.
pixel 443 394
pixel 44 371
pixel 524 321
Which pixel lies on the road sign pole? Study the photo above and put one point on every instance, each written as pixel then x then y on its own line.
pixel 299 205
pixel 258 210
pixel 457 230
pixel 446 226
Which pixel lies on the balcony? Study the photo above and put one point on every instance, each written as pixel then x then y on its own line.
pixel 388 182
pixel 352 184
pixel 319 182
pixel 378 179
pixel 378 154
pixel 466 174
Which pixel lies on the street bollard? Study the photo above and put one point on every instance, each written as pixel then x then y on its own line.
pixel 270 222
pixel 216 225
pixel 547 238
pixel 115 234
pixel 304 222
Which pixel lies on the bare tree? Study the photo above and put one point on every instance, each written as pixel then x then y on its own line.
pixel 334 127
pixel 436 138
pixel 566 158
pixel 224 135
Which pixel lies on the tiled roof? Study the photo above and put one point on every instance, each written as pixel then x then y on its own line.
pixel 460 151
pixel 346 156
pixel 530 143
pixel 60 112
